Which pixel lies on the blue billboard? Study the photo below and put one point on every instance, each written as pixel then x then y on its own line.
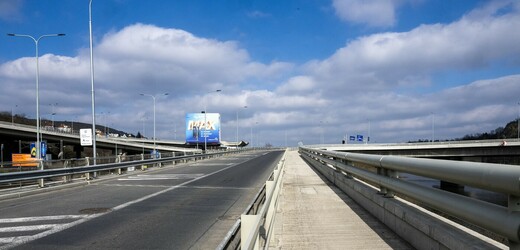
pixel 203 127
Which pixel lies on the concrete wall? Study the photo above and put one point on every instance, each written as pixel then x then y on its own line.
pixel 422 229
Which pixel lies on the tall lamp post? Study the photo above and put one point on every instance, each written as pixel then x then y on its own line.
pixel 12 115
pixel 153 97
pixel 53 113
pixel 36 42
pixel 94 134
pixel 518 124
pixel 206 122
pixel 237 126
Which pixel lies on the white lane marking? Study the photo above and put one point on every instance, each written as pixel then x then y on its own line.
pixel 133 185
pixel 152 177
pixel 149 179
pixel 20 239
pixel 16 241
pixel 39 218
pixel 213 187
pixel 170 175
pixel 23 240
pixel 27 228
pixel 7 240
pixel 169 189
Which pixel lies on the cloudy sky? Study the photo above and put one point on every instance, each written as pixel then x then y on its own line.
pixel 309 71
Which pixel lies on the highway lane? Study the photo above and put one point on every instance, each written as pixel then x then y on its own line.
pixel 189 206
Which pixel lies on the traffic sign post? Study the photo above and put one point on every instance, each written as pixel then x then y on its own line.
pixel 85 136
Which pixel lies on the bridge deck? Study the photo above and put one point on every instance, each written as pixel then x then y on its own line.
pixel 314 214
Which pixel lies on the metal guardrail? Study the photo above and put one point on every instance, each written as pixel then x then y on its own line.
pixel 500 178
pixel 59 172
pixel 258 218
pixel 232 239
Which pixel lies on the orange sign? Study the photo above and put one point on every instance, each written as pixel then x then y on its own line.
pixel 24 160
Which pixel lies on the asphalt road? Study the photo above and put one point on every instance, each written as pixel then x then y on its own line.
pixel 187 206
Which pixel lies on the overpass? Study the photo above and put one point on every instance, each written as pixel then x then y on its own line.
pixel 16 138
pixel 504 151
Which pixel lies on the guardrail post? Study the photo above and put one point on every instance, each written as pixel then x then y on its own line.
pixel 271 210
pixel 66 178
pixel 347 163
pixel 382 190
pixel 247 224
pixel 40 181
pixel 392 174
pixel 119 170
pixel 143 167
pixel 513 203
pixel 87 175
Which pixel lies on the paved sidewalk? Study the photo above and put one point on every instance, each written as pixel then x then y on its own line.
pixel 314 214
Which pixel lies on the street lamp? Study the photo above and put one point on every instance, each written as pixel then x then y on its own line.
pixel 237 127
pixel 92 83
pixel 36 42
pixel 206 122
pixel 153 97
pixel 53 113
pixel 12 114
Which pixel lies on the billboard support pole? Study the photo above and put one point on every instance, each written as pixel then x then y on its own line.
pixel 205 122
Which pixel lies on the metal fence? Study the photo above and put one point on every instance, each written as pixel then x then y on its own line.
pixel 499 178
pixel 84 167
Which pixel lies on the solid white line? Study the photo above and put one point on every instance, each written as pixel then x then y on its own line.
pixel 133 185
pixel 169 189
pixel 160 177
pixel 27 228
pixel 169 175
pixel 213 187
pixel 40 218
pixel 149 179
pixel 7 240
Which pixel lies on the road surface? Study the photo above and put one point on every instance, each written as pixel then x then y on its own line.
pixel 188 206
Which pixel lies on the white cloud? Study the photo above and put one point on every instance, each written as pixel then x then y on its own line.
pixel 383 79
pixel 378 13
pixel 297 84
pixel 387 60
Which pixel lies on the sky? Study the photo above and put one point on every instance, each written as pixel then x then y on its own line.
pixel 309 71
